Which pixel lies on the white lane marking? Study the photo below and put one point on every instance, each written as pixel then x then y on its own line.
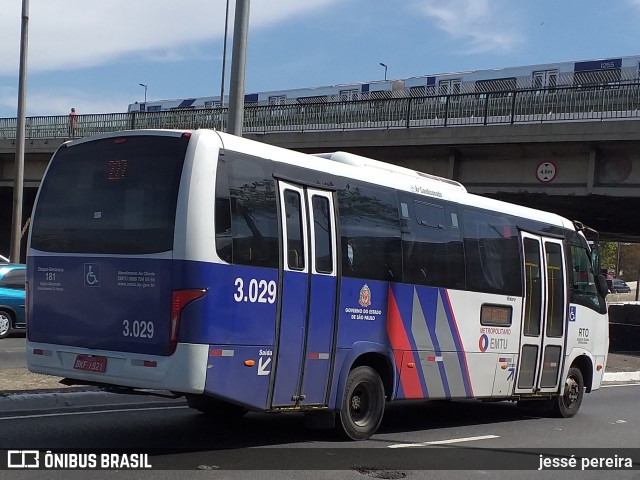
pixel 94 412
pixel 443 442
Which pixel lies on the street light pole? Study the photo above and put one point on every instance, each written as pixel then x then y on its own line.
pixel 224 54
pixel 385 70
pixel 18 176
pixel 145 91
pixel 238 66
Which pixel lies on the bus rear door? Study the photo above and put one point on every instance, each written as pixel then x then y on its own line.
pixel 544 315
pixel 306 327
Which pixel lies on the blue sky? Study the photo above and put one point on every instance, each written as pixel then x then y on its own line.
pixel 93 55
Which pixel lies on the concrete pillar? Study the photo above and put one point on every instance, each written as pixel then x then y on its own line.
pixel 452 171
pixel 591 172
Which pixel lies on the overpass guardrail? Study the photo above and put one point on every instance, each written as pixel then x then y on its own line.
pixel 559 104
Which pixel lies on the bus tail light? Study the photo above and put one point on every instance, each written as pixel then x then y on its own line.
pixel 26 307
pixel 179 300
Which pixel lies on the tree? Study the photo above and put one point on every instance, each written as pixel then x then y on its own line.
pixel 609 256
pixel 629 261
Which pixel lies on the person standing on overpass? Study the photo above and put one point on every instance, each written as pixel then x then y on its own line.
pixel 73 123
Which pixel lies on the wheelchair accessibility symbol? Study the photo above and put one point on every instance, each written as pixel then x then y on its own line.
pixel 91 275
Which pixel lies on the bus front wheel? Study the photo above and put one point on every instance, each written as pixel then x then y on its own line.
pixel 568 403
pixel 362 404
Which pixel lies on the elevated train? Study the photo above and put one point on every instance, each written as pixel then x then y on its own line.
pixel 609 71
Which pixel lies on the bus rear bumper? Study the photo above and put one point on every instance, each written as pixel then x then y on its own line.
pixel 184 371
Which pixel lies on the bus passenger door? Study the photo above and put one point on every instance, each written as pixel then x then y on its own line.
pixel 544 315
pixel 305 334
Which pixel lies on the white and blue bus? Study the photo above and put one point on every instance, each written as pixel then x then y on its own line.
pixel 249 277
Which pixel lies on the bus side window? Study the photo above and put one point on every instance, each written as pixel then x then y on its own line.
pixel 295 250
pixel 246 216
pixel 492 252
pixel 224 244
pixel 427 262
pixel 222 214
pixel 431 242
pixel 583 289
pixel 348 256
pixel 370 232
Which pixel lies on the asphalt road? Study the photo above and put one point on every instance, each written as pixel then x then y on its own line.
pixel 469 436
pixel 280 446
pixel 12 351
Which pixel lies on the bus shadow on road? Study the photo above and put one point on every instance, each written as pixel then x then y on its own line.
pixel 261 429
pixel 441 414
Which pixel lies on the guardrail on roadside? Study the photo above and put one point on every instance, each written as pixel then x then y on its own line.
pixel 559 104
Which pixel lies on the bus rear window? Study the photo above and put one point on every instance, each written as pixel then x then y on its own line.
pixel 111 196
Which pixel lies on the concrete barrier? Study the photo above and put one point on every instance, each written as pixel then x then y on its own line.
pixel 624 327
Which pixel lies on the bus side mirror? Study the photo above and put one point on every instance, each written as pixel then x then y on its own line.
pixel 601 285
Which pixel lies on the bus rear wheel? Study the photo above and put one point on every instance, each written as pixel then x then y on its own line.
pixel 362 405
pixel 568 403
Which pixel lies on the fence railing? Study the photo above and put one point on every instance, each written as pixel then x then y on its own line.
pixel 507 107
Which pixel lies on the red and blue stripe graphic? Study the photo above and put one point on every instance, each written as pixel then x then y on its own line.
pixel 428 351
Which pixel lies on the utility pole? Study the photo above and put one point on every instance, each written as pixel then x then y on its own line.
pixel 18 175
pixel 238 65
pixel 224 54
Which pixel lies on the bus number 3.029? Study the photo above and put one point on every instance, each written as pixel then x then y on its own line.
pixel 259 291
pixel 137 329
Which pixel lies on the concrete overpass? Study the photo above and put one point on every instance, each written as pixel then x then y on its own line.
pixel 594 171
pixel 586 170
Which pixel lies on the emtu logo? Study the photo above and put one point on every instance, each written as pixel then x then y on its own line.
pixel 483 343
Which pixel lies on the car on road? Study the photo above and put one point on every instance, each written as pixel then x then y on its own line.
pixel 12 296
pixel 618 286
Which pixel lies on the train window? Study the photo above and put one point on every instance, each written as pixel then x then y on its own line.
pixel 417 91
pixel 545 79
pixel 348 95
pixel 277 99
pixel 449 87
pixel 597 77
pixel 538 80
pixel 312 100
pixel 496 85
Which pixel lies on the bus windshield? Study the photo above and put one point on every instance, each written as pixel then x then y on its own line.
pixel 111 196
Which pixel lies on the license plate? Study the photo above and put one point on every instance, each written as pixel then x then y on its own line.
pixel 90 363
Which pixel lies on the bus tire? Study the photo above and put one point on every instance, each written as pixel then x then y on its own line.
pixel 362 405
pixel 567 404
pixel 6 321
pixel 214 408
